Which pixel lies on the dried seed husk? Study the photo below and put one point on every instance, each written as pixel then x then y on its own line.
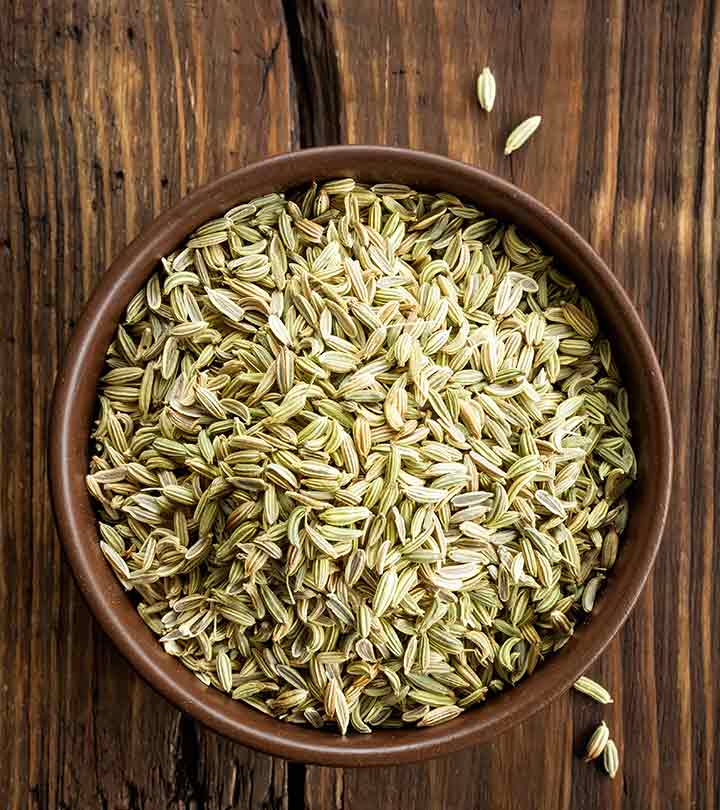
pixel 597 742
pixel 611 759
pixel 522 132
pixel 593 689
pixel 486 89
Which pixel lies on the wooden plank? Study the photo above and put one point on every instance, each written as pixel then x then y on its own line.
pixel 626 154
pixel 108 114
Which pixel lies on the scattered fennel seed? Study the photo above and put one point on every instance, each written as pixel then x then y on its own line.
pixel 593 689
pixel 611 759
pixel 486 89
pixel 522 132
pixel 597 742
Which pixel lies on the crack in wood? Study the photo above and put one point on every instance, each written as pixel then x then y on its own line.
pixel 188 781
pixel 268 62
pixel 296 786
pixel 315 72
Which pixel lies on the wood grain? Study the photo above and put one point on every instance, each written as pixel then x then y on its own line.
pixel 110 112
pixel 626 154
pixel 107 116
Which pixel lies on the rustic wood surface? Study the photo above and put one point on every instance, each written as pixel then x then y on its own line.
pixel 111 111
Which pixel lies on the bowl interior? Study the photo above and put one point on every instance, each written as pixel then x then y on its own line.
pixel 73 410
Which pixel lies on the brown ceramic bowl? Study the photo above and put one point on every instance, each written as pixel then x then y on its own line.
pixel 74 407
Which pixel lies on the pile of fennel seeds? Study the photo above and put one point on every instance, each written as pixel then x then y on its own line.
pixel 361 454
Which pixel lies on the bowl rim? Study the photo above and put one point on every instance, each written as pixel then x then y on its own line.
pixel 72 406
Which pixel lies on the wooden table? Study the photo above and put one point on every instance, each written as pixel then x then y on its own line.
pixel 109 114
